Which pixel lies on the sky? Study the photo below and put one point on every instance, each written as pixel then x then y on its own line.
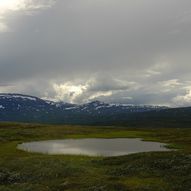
pixel 117 51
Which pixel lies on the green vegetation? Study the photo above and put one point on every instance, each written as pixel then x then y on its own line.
pixel 154 171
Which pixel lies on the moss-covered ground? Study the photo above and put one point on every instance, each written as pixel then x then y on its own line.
pixel 153 171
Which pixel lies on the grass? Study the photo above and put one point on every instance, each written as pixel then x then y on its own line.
pixel 153 171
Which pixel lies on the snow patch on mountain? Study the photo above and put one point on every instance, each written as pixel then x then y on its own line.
pixel 19 96
pixel 2 107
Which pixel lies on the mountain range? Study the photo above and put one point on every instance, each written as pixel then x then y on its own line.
pixel 25 108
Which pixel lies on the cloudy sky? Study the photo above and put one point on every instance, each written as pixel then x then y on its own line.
pixel 120 51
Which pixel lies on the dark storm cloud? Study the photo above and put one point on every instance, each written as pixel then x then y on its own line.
pixel 114 50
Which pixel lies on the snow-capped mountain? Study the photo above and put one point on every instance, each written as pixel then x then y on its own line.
pixel 17 102
pixel 97 107
pixel 18 107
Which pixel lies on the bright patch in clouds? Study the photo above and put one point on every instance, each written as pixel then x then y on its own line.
pixel 71 92
pixel 9 6
pixel 6 5
pixel 68 91
pixel 15 5
pixel 100 94
pixel 183 100
pixel 96 88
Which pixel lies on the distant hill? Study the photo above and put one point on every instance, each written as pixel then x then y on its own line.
pixel 25 108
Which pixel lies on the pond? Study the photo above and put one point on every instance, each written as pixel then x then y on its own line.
pixel 93 146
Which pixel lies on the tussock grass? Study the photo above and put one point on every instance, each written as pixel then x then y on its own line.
pixel 154 171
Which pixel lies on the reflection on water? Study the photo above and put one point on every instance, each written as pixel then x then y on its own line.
pixel 93 147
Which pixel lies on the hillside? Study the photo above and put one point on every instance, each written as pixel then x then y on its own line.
pixel 24 108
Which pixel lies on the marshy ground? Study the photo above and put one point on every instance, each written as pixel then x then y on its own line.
pixel 153 171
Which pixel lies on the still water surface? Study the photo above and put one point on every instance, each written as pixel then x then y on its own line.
pixel 93 147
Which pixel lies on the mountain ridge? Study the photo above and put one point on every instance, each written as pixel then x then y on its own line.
pixel 26 108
